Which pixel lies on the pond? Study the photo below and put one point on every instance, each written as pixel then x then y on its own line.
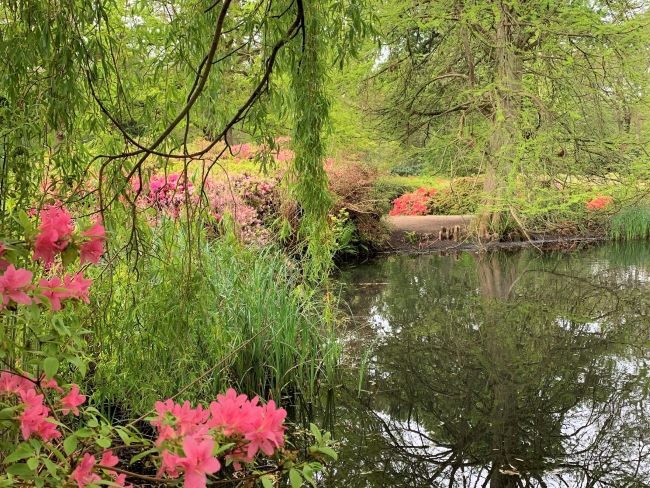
pixel 496 370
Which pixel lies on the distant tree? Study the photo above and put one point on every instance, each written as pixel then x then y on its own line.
pixel 505 87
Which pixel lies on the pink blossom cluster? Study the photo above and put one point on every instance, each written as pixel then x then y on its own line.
pixel 186 435
pixel 34 417
pixel 16 286
pixel 242 151
pixel 247 151
pixel 414 203
pixel 249 201
pixel 57 232
pixel 599 202
pixel 86 472
pixel 167 193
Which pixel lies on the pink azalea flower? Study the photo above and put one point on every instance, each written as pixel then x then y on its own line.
pixel 232 413
pixel 198 461
pixel 49 384
pixel 13 284
pixel 35 417
pixel 54 291
pixel 109 459
pixel 268 432
pixel 55 233
pixel 78 287
pixel 91 250
pixel 170 464
pixel 72 400
pixel 13 383
pixel 83 473
pixel 181 419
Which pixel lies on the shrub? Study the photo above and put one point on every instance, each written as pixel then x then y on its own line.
pixel 408 169
pixel 462 197
pixel 415 203
pixel 599 203
pixel 353 186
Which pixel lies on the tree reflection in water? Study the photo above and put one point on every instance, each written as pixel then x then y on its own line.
pixel 499 370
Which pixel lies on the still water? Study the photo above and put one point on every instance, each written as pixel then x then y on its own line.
pixel 496 370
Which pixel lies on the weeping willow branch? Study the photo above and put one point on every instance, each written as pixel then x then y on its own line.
pixel 311 114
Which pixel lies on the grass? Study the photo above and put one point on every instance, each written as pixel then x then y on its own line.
pixel 631 223
pixel 242 314
pixel 415 182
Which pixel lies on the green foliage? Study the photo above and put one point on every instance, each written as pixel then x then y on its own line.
pixel 243 315
pixel 407 169
pixel 462 196
pixel 630 223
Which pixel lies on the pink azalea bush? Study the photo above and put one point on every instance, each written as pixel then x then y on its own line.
pixel 248 200
pixel 413 203
pixel 187 436
pixel 167 193
pixel 65 442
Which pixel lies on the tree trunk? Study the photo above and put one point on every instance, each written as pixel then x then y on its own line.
pixel 507 100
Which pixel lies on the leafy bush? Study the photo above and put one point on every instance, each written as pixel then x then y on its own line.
pixel 407 169
pixel 413 203
pixel 463 196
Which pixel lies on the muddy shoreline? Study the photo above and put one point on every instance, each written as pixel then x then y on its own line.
pixel 542 243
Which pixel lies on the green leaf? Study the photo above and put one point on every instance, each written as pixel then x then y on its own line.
pixel 51 467
pixel 308 473
pixel 70 444
pixel 295 478
pixel 141 455
pixel 23 451
pixel 327 451
pixel 23 219
pixel 50 366
pixel 124 435
pixel 224 448
pixel 104 442
pixel 69 256
pixel 267 481
pixel 20 469
pixel 315 431
pixel 83 432
pixel 33 463
pixel 8 413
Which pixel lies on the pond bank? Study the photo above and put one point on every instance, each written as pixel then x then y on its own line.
pixel 433 233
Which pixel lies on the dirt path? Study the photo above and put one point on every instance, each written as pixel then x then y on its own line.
pixel 430 231
pixel 428 224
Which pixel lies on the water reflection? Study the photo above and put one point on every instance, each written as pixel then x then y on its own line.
pixel 501 370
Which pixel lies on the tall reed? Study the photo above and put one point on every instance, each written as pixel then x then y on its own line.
pixel 631 223
pixel 242 314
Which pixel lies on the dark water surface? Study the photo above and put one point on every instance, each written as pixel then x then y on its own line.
pixel 500 370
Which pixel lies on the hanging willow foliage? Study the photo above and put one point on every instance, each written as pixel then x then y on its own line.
pixel 311 112
pixel 321 37
pixel 99 93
